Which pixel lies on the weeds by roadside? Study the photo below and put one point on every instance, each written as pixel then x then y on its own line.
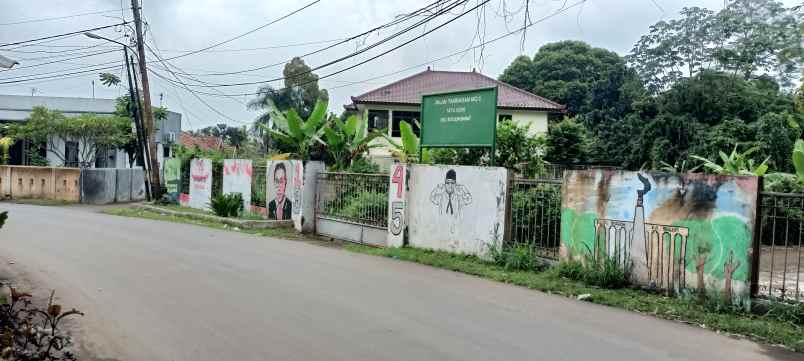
pixel 30 333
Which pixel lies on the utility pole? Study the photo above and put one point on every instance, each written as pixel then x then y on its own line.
pixel 149 114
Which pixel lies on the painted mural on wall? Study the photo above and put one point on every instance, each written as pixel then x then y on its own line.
pixel 690 232
pixel 284 189
pixel 397 212
pixel 237 179
pixel 172 176
pixel 457 208
pixel 200 183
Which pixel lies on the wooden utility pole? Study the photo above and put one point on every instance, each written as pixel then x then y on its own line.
pixel 148 115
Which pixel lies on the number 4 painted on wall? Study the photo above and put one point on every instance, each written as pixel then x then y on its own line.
pixel 398 179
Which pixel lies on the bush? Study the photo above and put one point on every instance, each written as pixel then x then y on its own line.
pixel 604 273
pixel 227 205
pixel 516 258
pixel 366 204
pixel 782 183
pixel 571 270
pixel 3 218
pixel 30 333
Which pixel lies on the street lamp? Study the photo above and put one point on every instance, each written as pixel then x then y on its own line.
pixel 7 63
pixel 142 135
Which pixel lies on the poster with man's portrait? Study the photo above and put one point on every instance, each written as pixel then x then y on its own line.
pixel 283 189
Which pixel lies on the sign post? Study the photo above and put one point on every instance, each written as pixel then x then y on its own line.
pixel 462 119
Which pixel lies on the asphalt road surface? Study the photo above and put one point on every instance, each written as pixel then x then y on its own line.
pixel 163 291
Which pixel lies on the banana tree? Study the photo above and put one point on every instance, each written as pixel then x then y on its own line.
pixel 408 150
pixel 349 140
pixel 301 134
pixel 736 163
pixel 798 159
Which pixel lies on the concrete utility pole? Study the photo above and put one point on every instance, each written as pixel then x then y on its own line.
pixel 148 115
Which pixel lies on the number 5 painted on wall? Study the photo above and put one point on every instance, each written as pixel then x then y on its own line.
pixel 397 206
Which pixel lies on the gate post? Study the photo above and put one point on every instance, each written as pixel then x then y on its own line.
pixel 756 249
pixel 397 205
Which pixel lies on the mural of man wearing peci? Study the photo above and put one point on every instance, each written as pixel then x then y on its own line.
pixel 450 197
pixel 280 207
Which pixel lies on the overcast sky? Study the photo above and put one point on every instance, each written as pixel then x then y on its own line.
pixel 178 26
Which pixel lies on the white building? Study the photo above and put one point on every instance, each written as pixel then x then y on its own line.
pixel 386 106
pixel 17 108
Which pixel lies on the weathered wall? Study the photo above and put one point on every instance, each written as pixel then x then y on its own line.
pixel 98 185
pixel 138 185
pixel 39 182
pixel 283 193
pixel 311 171
pixel 200 183
pixel 237 179
pixel 457 208
pixel 675 232
pixel 397 205
pixel 123 188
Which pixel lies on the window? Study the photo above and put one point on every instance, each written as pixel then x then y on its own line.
pixel 71 154
pixel 377 119
pixel 503 117
pixel 166 151
pixel 411 117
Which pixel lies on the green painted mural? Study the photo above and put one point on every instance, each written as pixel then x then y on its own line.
pixel 682 233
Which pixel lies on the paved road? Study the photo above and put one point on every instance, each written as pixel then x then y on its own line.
pixel 163 291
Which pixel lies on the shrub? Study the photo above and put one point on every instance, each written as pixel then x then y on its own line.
pixel 366 204
pixel 3 218
pixel 30 333
pixel 571 269
pixel 227 205
pixel 519 258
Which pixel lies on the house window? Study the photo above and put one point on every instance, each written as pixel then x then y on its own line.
pixel 411 117
pixel 71 154
pixel 377 119
pixel 166 151
pixel 503 117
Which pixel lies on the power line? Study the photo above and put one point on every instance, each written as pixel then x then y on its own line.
pixel 62 35
pixel 260 48
pixel 61 60
pixel 56 18
pixel 498 38
pixel 361 51
pixel 396 21
pixel 57 76
pixel 294 12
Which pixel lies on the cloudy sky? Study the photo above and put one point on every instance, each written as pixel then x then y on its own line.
pixel 176 27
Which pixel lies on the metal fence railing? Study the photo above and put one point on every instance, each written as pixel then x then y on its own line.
pixel 353 197
pixel 536 215
pixel 780 272
pixel 258 185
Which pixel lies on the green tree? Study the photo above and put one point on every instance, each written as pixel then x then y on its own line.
pixel 301 136
pixel 746 38
pixel 567 142
pixel 776 135
pixel 348 141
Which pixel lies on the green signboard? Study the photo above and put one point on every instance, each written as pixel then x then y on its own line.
pixel 172 174
pixel 460 119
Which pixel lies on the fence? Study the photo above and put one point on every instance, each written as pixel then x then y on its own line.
pixel 353 198
pixel 536 215
pixel 780 235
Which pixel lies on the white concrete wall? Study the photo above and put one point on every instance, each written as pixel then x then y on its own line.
pixel 467 217
pixel 200 183
pixel 535 121
pixel 237 179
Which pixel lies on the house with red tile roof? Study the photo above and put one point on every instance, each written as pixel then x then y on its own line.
pixel 385 107
pixel 203 142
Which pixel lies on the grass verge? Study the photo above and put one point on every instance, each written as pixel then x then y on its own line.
pixel 763 329
pixel 287 233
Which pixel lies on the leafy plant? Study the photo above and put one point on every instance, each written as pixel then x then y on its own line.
pixel 33 334
pixel 109 79
pixel 602 271
pixel 227 205
pixel 571 269
pixel 301 135
pixel 3 218
pixel 798 159
pixel 408 150
pixel 680 166
pixel 5 144
pixel 735 163
pixel 348 141
pixel 518 257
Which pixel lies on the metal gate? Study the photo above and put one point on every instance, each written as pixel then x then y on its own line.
pixel 780 273
pixel 536 215
pixel 352 207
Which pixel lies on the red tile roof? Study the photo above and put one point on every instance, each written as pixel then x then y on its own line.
pixel 409 91
pixel 204 142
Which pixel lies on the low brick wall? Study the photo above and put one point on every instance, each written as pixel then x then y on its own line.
pixel 56 183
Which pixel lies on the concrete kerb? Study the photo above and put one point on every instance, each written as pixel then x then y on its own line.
pixel 242 223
